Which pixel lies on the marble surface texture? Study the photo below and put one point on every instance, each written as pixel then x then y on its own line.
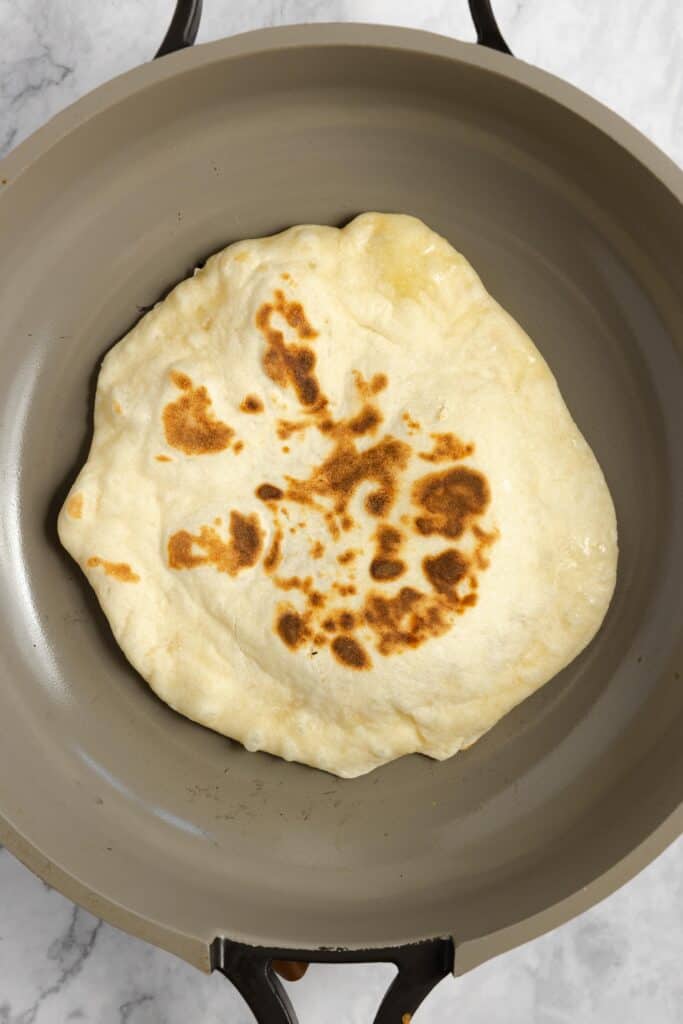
pixel 620 963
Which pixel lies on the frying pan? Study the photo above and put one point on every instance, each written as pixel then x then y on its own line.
pixel 575 222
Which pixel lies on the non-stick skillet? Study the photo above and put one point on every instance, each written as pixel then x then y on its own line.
pixel 575 223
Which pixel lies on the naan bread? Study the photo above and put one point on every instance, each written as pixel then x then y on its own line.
pixel 335 506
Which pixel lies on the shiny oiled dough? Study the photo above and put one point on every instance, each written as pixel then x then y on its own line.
pixel 335 506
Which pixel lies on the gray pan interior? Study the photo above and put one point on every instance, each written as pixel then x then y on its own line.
pixel 575 223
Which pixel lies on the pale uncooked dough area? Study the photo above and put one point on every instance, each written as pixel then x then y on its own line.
pixel 335 506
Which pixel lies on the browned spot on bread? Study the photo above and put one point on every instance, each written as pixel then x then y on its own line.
pixel 294 314
pixel 367 388
pixel 180 554
pixel 386 568
pixel 189 423
pixel 410 617
pixel 268 492
pixel 120 571
pixel 349 652
pixel 285 276
pixel 377 503
pixel 240 551
pixel 331 523
pixel 117 408
pixel 366 422
pixel 317 549
pixel 484 542
pixel 445 570
pixel 251 404
pixel 447 448
pixel 292 628
pixel 345 469
pixel 285 428
pixel 385 565
pixel 449 501
pixel 345 589
pixel 239 445
pixel 386 615
pixel 163 458
pixel 412 425
pixel 74 505
pixel 293 365
pixel 315 599
pixel 407 619
pixel 294 583
pixel 246 539
pixel 330 625
pixel 274 554
pixel 389 539
pixel 346 556
pixel 289 365
pixel 347 620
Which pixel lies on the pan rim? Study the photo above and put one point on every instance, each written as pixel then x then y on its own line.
pixel 630 139
pixel 368 36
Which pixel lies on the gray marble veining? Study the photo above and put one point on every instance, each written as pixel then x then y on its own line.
pixel 617 964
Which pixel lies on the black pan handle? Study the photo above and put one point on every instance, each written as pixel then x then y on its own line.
pixel 184 25
pixel 183 29
pixel 421 966
pixel 488 33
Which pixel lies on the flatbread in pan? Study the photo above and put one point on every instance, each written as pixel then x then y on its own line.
pixel 335 506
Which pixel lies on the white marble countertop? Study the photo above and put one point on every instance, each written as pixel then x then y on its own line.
pixel 620 963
